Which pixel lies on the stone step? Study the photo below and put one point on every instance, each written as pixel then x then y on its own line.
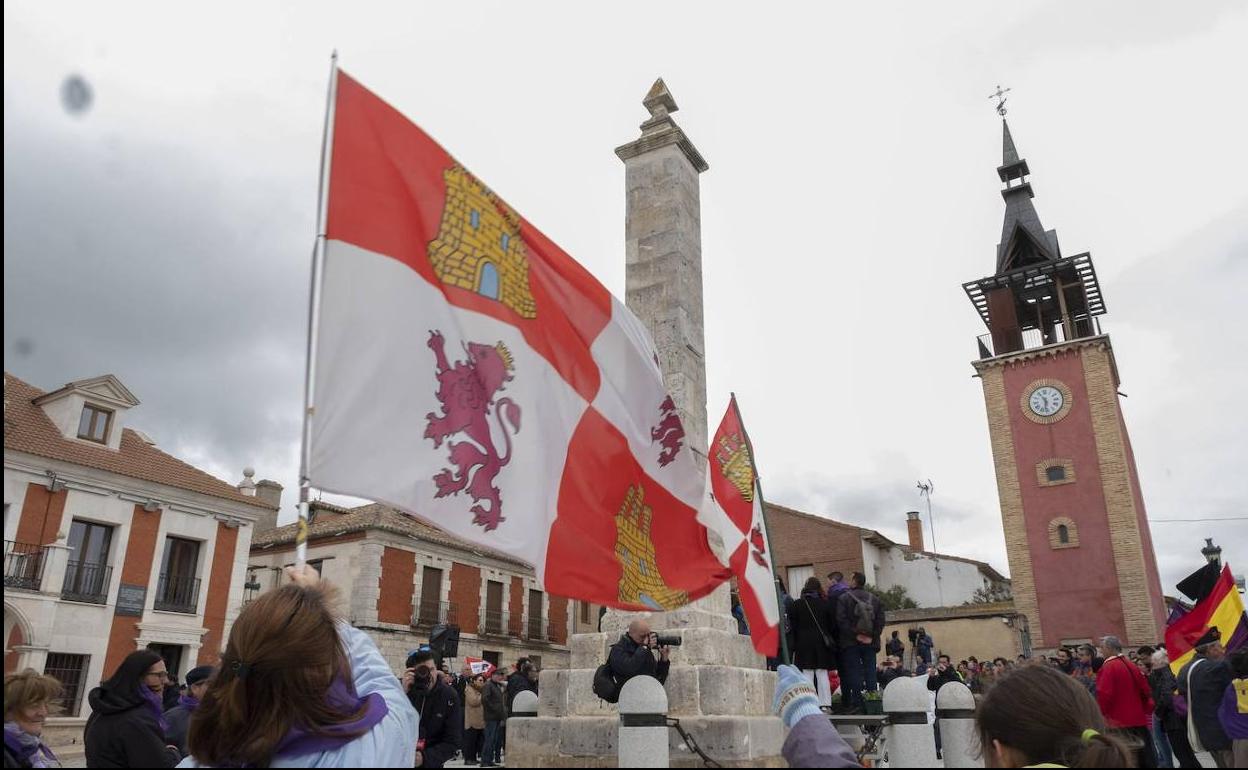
pixel 691 690
pixel 585 741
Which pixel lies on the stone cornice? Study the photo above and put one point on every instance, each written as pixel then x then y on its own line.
pixel 1100 341
pixel 660 133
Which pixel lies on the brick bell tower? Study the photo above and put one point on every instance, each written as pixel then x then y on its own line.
pixel 1081 556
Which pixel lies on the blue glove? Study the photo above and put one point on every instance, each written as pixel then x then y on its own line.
pixel 795 699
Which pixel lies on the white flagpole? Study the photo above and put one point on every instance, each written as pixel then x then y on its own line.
pixel 314 310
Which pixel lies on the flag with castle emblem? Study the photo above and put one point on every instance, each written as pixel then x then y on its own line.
pixel 734 509
pixel 469 372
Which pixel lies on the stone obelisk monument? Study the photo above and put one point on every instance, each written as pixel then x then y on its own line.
pixel 719 687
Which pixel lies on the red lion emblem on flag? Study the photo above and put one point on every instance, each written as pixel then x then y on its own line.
pixel 669 432
pixel 467 390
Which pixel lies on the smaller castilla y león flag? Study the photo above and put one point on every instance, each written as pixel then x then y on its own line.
pixel 469 372
pixel 734 509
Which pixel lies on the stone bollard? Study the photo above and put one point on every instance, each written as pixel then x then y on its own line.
pixel 525 704
pixel 643 724
pixel 955 712
pixel 908 739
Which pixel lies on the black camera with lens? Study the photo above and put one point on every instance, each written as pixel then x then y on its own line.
pixel 662 640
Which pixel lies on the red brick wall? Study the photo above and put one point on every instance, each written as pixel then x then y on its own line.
pixel 798 539
pixel 558 617
pixel 41 515
pixel 465 595
pixel 219 580
pixel 398 587
pixel 135 570
pixel 515 618
pixel 10 659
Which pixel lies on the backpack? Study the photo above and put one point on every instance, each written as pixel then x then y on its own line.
pixel 604 684
pixel 863 617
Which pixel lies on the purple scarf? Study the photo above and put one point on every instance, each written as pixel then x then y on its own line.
pixel 26 746
pixel 341 696
pixel 189 701
pixel 157 705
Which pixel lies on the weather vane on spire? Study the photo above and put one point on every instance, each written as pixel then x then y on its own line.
pixel 1000 97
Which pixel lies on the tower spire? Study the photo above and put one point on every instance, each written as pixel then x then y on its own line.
pixel 1023 238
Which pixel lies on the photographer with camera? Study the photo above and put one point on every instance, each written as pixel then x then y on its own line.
pixel 633 655
pixel 441 715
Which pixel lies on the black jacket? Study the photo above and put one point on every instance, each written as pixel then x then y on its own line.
pixel 493 702
pixel 895 647
pixel 1204 696
pixel 179 719
pixel 516 684
pixel 808 615
pixel 941 678
pixel 123 731
pixel 845 606
pixel 1163 684
pixel 441 722
pixel 628 659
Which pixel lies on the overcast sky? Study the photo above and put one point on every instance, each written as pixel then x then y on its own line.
pixel 164 234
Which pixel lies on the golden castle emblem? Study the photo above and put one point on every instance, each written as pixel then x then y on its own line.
pixel 733 456
pixel 641 582
pixel 478 246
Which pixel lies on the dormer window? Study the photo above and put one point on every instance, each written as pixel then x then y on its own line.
pixel 95 423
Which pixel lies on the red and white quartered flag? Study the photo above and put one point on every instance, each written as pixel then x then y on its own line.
pixel 470 373
pixel 479 665
pixel 734 509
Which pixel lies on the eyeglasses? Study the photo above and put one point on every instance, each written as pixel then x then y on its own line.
pixel 160 674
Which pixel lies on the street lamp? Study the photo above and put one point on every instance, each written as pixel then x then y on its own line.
pixel 1211 552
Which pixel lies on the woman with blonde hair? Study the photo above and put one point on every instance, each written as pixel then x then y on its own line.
pixel 298 687
pixel 28 698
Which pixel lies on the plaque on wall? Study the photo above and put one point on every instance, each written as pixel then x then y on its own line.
pixel 130 599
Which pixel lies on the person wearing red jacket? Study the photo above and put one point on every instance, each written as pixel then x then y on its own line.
pixel 1126 700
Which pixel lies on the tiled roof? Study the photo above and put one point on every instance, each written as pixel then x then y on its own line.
pixel 332 520
pixel 28 429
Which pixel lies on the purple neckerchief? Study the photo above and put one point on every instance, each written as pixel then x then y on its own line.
pixel 25 746
pixel 158 706
pixel 190 701
pixel 836 589
pixel 342 696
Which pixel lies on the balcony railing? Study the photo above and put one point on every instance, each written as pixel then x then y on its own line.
pixel 177 593
pixel 1013 340
pixel 434 613
pixel 23 565
pixel 537 630
pixel 86 582
pixel 493 623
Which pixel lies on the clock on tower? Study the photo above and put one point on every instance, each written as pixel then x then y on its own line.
pixel 1080 552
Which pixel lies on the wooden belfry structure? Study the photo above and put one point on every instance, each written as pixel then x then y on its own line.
pixel 1036 297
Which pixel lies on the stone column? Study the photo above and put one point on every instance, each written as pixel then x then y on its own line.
pixel 55 562
pixel 663 279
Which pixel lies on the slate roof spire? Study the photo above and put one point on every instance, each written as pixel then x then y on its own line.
pixel 1023 238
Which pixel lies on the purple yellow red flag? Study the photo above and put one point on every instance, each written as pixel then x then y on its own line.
pixel 471 373
pixel 1221 608
pixel 734 510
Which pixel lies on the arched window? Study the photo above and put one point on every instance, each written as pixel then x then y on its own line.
pixel 488 286
pixel 1063 534
pixel 1055 472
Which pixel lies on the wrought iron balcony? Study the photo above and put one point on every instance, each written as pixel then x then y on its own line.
pixel 493 623
pixel 537 630
pixel 86 582
pixel 177 593
pixel 23 565
pixel 430 614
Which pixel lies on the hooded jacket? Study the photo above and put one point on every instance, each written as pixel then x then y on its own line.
pixel 123 731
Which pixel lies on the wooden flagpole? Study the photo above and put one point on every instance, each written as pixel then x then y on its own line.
pixel 314 312
pixel 785 658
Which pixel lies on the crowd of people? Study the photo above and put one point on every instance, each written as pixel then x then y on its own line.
pixel 299 687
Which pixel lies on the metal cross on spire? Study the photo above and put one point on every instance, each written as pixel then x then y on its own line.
pixel 1000 97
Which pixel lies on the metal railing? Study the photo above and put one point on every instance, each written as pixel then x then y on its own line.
pixel 434 613
pixel 177 593
pixel 23 565
pixel 86 582
pixel 1015 339
pixel 537 630
pixel 493 623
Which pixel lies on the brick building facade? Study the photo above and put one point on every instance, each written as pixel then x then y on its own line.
pixel 399 577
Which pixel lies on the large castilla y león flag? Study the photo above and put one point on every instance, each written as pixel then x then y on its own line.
pixel 734 509
pixel 471 373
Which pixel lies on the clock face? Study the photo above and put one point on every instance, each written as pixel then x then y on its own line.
pixel 1046 401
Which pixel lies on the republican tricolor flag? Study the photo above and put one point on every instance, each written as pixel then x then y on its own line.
pixel 469 372
pixel 734 510
pixel 1218 606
